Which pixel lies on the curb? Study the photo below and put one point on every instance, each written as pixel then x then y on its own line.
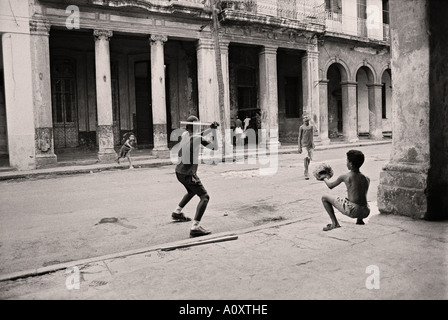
pixel 163 247
pixel 74 170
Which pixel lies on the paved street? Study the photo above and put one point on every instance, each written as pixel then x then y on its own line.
pixel 54 220
pixel 276 249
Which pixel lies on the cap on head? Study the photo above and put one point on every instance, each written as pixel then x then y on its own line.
pixel 192 119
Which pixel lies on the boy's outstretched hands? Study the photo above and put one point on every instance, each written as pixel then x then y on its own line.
pixel 214 125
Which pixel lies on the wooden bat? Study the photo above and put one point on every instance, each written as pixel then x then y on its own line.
pixel 196 123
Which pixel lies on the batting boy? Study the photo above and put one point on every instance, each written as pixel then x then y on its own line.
pixel 186 174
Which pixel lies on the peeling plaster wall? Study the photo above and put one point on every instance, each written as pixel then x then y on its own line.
pixel 246 57
pixel 289 65
pixel 415 182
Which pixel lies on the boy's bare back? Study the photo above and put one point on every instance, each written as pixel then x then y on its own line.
pixel 357 187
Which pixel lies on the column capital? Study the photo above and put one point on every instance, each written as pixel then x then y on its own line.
pixel 268 50
pixel 311 54
pixel 224 45
pixel 349 83
pixel 158 39
pixel 204 44
pixel 39 26
pixel 375 85
pixel 102 34
pixel 324 82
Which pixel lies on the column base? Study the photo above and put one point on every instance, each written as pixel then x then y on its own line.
pixel 46 160
pixel 325 141
pixel 107 156
pixel 161 152
pixel 352 139
pixel 402 190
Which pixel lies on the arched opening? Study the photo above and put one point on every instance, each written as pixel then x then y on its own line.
pixel 364 77
pixel 335 124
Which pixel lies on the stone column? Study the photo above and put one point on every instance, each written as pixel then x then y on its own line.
pixel 349 117
pixel 310 85
pixel 415 181
pixel 17 70
pixel 207 81
pixel 43 120
pixel 268 91
pixel 375 111
pixel 158 92
pixel 323 115
pixel 224 47
pixel 106 152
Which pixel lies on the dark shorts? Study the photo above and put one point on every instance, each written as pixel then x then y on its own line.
pixel 124 151
pixel 192 183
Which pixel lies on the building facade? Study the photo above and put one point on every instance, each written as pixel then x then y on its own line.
pixel 80 75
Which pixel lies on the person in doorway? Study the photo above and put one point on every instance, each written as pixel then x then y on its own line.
pixel 306 140
pixel 355 205
pixel 246 123
pixel 238 130
pixel 186 173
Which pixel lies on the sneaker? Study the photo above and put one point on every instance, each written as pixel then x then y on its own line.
pixel 179 217
pixel 199 232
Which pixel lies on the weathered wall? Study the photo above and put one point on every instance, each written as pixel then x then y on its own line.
pixel 289 65
pixel 363 102
pixel 438 117
pixel 240 56
pixel 183 91
pixel 414 183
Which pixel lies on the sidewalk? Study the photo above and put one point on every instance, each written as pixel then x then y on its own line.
pixel 391 257
pixel 86 163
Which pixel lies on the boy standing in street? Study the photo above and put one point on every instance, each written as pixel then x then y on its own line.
pixel 355 205
pixel 306 140
pixel 186 173
pixel 125 150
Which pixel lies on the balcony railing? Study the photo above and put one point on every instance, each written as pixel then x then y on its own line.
pixel 333 16
pixel 304 11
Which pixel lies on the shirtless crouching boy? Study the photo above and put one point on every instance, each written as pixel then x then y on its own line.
pixel 355 205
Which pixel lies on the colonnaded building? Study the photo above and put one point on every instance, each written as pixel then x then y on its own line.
pixel 81 73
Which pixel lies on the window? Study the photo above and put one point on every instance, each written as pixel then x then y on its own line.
pixel 386 11
pixel 362 9
pixel 333 6
pixel 63 91
pixel 362 18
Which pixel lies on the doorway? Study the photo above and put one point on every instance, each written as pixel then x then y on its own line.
pixel 143 106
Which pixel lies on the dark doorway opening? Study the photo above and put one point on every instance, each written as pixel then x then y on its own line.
pixel 143 106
